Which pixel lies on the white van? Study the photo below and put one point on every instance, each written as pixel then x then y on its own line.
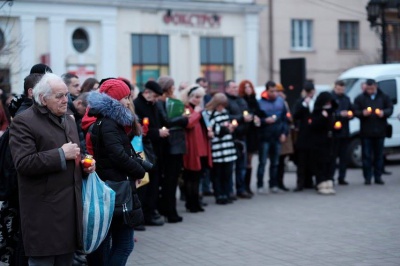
pixel 388 78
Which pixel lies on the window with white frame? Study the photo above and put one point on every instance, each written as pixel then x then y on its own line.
pixel 302 34
pixel 349 35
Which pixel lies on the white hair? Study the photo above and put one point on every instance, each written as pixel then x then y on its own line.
pixel 43 87
pixel 193 90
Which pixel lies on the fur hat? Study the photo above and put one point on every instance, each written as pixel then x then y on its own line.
pixel 153 86
pixel 115 88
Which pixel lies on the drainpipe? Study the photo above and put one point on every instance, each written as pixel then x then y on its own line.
pixel 271 41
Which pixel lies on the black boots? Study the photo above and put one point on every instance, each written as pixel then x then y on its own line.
pixel 247 180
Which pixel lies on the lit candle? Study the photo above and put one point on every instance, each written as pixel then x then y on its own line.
pixel 274 117
pixel 338 125
pixel 349 113
pixel 369 109
pixel 87 162
pixel 288 115
pixel 187 111
pixel 163 128
pixel 377 111
pixel 146 121
pixel 245 113
pixel 234 122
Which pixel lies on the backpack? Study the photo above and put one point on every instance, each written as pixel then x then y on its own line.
pixel 8 173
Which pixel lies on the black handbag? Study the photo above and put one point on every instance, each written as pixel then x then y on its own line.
pixel 127 203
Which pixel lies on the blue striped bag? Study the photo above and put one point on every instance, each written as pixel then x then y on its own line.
pixel 98 208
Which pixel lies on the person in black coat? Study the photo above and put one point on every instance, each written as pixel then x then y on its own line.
pixel 116 160
pixel 343 114
pixel 373 107
pixel 236 107
pixel 302 114
pixel 321 142
pixel 147 112
pixel 173 148
pixel 246 91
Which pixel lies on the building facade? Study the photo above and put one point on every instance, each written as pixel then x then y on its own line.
pixel 332 36
pixel 136 39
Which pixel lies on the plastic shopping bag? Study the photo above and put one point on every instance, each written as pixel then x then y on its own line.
pixel 98 208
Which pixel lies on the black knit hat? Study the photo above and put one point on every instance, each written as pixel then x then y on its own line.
pixel 41 69
pixel 309 86
pixel 152 85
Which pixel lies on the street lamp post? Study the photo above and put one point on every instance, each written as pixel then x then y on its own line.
pixel 376 9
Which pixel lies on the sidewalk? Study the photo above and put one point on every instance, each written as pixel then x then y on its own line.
pixel 360 226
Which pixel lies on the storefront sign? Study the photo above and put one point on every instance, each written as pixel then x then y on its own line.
pixel 193 20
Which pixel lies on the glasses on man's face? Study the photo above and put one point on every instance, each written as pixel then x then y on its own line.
pixel 59 96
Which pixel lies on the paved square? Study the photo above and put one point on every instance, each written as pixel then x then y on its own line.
pixel 360 226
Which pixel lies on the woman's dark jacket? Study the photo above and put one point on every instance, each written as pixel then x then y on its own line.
pixel 252 140
pixel 175 143
pixel 114 154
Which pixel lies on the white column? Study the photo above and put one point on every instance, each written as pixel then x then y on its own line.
pixel 27 46
pixel 108 65
pixel 58 39
pixel 251 44
pixel 175 58
pixel 195 64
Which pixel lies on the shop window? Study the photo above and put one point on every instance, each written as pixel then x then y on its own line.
pixel 302 34
pixel 217 60
pixel 150 57
pixel 80 40
pixel 349 35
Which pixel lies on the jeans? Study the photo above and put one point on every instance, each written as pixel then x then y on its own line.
pixel 205 181
pixel 116 247
pixel 240 170
pixel 372 148
pixel 59 260
pixel 272 150
pixel 340 146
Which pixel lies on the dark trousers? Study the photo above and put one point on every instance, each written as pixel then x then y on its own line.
pixel 340 146
pixel 222 174
pixel 268 149
pixel 304 168
pixel 281 170
pixel 240 168
pixel 191 182
pixel 59 260
pixel 169 182
pixel 116 247
pixel 372 157
pixel 148 194
pixel 321 165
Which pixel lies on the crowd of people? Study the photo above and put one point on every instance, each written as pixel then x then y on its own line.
pixel 199 139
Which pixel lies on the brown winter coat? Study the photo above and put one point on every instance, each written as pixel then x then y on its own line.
pixel 50 196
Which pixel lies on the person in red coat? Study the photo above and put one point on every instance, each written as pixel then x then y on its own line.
pixel 198 155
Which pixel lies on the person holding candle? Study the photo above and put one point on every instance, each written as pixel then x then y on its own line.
pixel 145 106
pixel 44 144
pixel 341 136
pixel 198 155
pixel 222 146
pixel 173 148
pixel 236 107
pixel 321 141
pixel 116 160
pixel 273 132
pixel 246 91
pixel 372 107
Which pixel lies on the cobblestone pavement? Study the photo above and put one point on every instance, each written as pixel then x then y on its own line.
pixel 360 226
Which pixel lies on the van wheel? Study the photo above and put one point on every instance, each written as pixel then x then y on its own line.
pixel 354 153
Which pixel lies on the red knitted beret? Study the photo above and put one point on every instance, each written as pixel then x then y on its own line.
pixel 115 88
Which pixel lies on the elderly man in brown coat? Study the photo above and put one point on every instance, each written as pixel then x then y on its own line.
pixel 44 144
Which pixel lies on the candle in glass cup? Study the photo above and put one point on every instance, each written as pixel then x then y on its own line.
pixel 338 125
pixel 349 113
pixel 245 112
pixel 164 128
pixel 377 111
pixel 187 111
pixel 274 117
pixel 146 121
pixel 234 122
pixel 369 109
pixel 87 162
